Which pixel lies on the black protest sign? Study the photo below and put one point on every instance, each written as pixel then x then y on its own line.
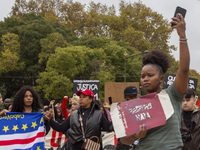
pixel 170 78
pixel 92 85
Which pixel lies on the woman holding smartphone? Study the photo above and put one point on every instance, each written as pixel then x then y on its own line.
pixel 155 64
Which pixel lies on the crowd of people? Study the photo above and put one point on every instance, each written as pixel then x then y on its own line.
pixel 82 119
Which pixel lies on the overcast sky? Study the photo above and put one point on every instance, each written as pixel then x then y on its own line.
pixel 164 7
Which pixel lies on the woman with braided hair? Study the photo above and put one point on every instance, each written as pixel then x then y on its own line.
pixel 155 64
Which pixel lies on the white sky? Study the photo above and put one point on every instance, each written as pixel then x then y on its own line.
pixel 164 7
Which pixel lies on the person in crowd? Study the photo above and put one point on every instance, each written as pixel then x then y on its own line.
pixel 106 106
pixel 64 107
pixel 155 64
pixel 190 122
pixel 75 101
pixel 26 100
pixel 91 117
pixel 1 99
pixel 102 108
pixel 7 103
pixel 60 114
pixel 54 114
pixel 130 92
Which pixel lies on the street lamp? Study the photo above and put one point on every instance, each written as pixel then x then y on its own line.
pixel 146 51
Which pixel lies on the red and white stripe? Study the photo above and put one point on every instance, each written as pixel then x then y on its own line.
pixel 22 140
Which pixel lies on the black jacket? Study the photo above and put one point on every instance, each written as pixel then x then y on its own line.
pixel 93 122
pixel 92 125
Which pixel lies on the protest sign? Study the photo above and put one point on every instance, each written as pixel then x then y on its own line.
pixel 22 131
pixel 170 78
pixel 152 110
pixel 80 85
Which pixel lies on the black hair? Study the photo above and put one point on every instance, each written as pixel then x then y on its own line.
pixel 18 102
pixel 90 97
pixel 98 102
pixel 189 93
pixel 61 114
pixel 158 59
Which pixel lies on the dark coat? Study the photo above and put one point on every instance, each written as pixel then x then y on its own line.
pixel 194 144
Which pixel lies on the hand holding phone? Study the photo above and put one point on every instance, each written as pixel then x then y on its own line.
pixel 180 10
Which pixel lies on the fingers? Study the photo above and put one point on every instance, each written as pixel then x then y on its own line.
pixel 65 97
pixel 178 20
pixel 181 17
pixel 3 112
pixel 142 132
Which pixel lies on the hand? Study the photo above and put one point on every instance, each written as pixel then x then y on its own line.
pixel 3 112
pixel 142 132
pixel 65 97
pixel 180 25
pixel 48 115
pixel 52 102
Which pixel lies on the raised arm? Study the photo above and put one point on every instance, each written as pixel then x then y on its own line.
pixel 64 107
pixel 181 80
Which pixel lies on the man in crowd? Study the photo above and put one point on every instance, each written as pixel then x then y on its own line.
pixel 130 93
pixel 7 103
pixel 190 122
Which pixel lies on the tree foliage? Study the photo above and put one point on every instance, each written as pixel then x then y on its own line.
pixel 49 43
pixel 9 58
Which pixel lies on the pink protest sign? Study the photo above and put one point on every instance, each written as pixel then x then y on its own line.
pixel 128 116
pixel 145 110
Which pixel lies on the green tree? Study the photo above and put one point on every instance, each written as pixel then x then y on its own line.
pixel 23 67
pixel 9 58
pixel 49 44
pixel 65 64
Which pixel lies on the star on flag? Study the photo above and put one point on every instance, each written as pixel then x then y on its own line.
pixel 24 126
pixel 15 128
pixel 5 128
pixel 34 124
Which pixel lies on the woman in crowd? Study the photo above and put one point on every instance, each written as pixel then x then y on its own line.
pixel 92 118
pixel 75 100
pixel 26 100
pixel 60 114
pixel 155 64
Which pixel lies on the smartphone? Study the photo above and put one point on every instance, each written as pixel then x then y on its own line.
pixel 180 10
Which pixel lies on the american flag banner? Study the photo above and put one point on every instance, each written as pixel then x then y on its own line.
pixel 22 131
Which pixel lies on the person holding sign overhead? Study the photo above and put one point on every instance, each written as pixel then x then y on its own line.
pixel 155 64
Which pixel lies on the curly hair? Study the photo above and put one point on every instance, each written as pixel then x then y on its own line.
pixel 158 59
pixel 18 102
